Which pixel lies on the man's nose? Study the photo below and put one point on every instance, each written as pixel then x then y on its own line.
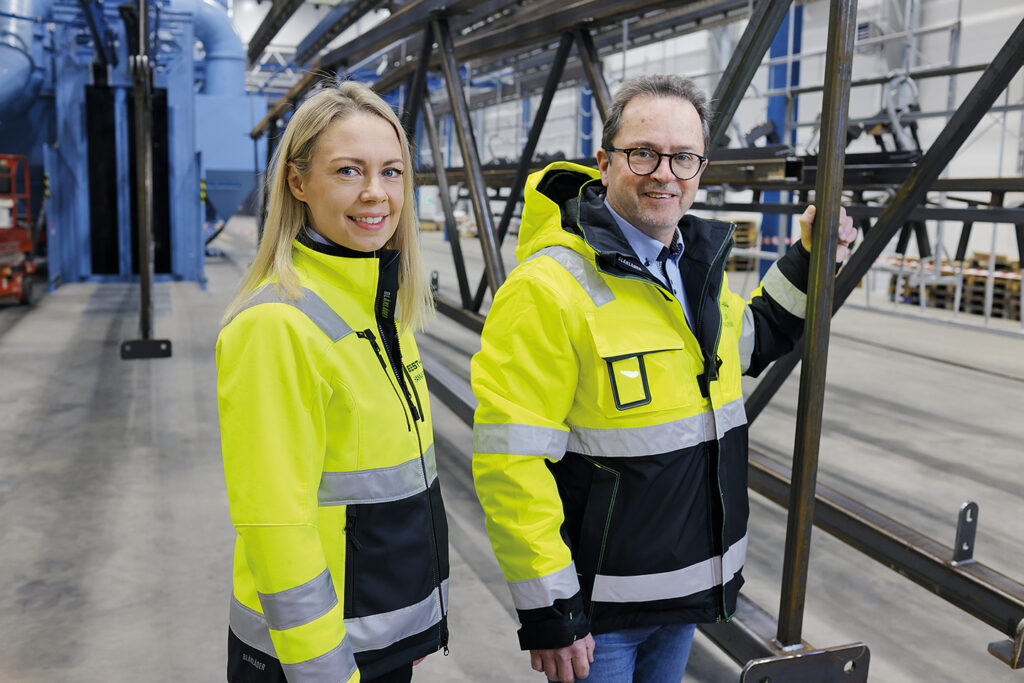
pixel 663 171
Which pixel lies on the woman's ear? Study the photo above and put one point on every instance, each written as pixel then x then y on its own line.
pixel 295 183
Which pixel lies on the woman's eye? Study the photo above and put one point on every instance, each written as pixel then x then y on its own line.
pixel 392 173
pixel 348 171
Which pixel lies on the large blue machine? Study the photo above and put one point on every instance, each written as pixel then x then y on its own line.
pixel 66 103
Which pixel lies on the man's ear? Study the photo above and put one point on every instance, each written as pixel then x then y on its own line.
pixel 603 160
pixel 295 183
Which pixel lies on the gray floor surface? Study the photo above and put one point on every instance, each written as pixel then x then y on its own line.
pixel 117 543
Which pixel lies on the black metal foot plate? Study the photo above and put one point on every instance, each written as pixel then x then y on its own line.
pixel 842 664
pixel 145 348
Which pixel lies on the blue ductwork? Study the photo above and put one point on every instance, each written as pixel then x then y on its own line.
pixel 20 76
pixel 225 53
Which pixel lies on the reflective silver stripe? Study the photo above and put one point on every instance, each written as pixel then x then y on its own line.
pixel 784 293
pixel 315 308
pixel 336 666
pixel 544 590
pixel 582 271
pixel 250 627
pixel 746 339
pixel 378 485
pixel 300 605
pixel 675 584
pixel 517 439
pixel 656 439
pixel 380 630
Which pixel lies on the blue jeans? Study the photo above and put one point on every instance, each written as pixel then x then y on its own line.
pixel 647 654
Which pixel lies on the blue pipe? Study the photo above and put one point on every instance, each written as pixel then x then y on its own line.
pixel 18 86
pixel 225 53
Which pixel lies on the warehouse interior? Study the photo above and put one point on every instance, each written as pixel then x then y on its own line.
pixel 133 144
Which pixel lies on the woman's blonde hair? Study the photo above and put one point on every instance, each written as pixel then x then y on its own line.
pixel 286 215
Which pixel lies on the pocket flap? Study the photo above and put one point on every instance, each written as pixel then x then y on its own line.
pixel 616 336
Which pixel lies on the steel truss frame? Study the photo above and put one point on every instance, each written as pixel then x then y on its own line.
pixel 765 645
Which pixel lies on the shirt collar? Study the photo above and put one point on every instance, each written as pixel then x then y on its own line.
pixel 645 246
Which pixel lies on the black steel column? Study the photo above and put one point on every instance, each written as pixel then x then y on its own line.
pixel 451 229
pixel 142 83
pixel 764 23
pixel 471 159
pixel 417 85
pixel 550 86
pixel 909 195
pixel 828 199
pixel 592 68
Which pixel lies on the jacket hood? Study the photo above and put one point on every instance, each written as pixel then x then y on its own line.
pixel 564 206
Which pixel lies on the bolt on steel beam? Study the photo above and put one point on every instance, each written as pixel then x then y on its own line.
pixel 908 196
pixel 493 264
pixel 828 198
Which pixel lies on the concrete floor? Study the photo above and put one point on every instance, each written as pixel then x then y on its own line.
pixel 116 539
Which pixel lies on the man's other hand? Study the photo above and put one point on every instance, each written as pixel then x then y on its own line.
pixel 565 664
pixel 847 233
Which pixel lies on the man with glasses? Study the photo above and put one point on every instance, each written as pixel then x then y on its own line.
pixel 610 440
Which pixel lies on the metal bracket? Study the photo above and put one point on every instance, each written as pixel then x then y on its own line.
pixel 841 664
pixel 966 529
pixel 1010 651
pixel 145 348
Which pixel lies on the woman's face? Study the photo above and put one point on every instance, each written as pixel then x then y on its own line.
pixel 354 191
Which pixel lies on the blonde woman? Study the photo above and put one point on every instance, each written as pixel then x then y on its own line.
pixel 341 560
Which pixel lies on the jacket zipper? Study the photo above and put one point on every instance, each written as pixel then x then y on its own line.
pixel 368 335
pixel 396 370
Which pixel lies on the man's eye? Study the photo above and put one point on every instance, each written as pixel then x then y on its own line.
pixel 642 153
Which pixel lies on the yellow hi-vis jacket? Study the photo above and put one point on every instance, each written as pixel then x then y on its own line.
pixel 341 558
pixel 610 439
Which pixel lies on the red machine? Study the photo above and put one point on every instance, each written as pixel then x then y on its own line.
pixel 16 246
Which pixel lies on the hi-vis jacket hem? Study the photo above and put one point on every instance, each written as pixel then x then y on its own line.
pixel 610 437
pixel 341 557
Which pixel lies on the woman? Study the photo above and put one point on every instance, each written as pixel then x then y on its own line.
pixel 341 562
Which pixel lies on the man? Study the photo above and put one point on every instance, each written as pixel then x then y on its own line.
pixel 610 441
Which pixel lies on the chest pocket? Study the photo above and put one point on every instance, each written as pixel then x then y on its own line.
pixel 646 366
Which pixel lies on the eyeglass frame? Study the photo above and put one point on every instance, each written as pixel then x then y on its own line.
pixel 629 150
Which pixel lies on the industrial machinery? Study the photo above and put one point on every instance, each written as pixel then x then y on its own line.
pixel 16 244
pixel 66 101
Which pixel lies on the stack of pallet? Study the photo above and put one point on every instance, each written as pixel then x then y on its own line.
pixel 1005 289
pixel 745 237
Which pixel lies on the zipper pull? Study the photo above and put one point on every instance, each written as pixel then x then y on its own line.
pixel 369 336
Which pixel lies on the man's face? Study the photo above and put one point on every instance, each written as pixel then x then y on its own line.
pixel 654 203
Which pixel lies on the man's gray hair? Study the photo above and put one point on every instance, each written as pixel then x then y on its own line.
pixel 656 86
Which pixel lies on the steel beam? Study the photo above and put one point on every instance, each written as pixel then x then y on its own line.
pixel 909 195
pixel 828 198
pixel 417 85
pixel 764 23
pixel 523 169
pixel 592 68
pixel 493 264
pixel 280 12
pixel 451 229
pixel 331 26
pixel 979 214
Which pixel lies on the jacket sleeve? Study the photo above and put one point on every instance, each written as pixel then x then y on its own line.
pixel 524 378
pixel 773 318
pixel 271 401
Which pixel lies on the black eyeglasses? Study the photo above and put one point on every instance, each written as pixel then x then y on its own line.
pixel 644 161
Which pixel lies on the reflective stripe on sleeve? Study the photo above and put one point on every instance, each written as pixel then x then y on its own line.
pixel 784 293
pixel 378 631
pixel 378 485
pixel 518 439
pixel 315 308
pixel 299 605
pixel 250 627
pixel 674 584
pixel 746 339
pixel 544 590
pixel 336 666
pixel 657 439
pixel 582 270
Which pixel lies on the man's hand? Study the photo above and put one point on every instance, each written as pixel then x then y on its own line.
pixel 565 664
pixel 847 233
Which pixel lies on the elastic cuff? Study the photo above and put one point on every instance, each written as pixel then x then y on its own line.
pixel 559 625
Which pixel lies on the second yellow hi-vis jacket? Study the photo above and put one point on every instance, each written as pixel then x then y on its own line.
pixel 341 557
pixel 610 439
